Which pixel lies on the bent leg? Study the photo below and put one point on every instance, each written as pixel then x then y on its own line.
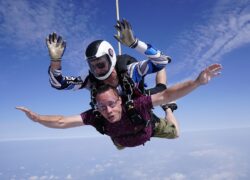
pixel 161 78
pixel 166 129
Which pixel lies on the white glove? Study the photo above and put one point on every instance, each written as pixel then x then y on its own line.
pixel 56 46
pixel 126 36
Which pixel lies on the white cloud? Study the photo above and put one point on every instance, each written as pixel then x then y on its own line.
pixel 25 24
pixel 97 169
pixel 137 174
pixel 218 163
pixel 207 152
pixel 227 28
pixel 176 176
pixel 218 153
pixel 52 177
pixel 22 168
pixel 43 178
pixel 222 175
pixel 33 177
pixel 69 176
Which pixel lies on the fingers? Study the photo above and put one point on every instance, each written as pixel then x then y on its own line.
pixel 54 38
pixel 117 38
pixel 31 115
pixel 59 40
pixel 47 41
pixel 21 108
pixel 63 45
pixel 50 38
pixel 118 27
pixel 122 25
pixel 214 69
pixel 126 24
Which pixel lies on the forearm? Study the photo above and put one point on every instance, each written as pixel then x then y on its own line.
pixel 58 81
pixel 147 49
pixel 155 55
pixel 51 121
pixel 55 65
pixel 179 90
pixel 174 92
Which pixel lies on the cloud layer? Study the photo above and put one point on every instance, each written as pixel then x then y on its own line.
pixel 210 155
pixel 225 28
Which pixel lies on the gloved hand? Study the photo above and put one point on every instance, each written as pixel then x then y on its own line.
pixel 164 57
pixel 56 46
pixel 126 36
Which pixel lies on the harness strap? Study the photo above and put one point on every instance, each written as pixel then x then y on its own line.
pixel 129 88
pixel 133 114
pixel 98 120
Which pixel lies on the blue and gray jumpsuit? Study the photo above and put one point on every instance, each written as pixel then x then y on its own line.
pixel 156 61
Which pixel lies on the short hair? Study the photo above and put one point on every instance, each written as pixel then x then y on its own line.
pixel 105 87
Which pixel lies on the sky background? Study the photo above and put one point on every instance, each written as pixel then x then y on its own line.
pixel 194 33
pixel 204 155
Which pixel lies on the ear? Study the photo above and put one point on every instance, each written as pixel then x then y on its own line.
pixel 120 100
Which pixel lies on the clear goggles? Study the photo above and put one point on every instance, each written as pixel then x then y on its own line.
pixel 100 66
pixel 103 106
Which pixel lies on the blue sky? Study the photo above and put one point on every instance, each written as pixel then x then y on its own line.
pixel 194 33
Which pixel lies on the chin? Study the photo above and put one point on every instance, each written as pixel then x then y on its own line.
pixel 113 120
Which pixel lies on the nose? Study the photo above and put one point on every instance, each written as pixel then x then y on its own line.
pixel 98 71
pixel 108 109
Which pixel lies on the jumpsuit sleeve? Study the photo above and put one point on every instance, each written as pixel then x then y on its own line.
pixel 155 62
pixel 60 82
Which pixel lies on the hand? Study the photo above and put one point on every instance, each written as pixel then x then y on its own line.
pixel 126 35
pixel 207 74
pixel 33 116
pixel 56 46
pixel 163 57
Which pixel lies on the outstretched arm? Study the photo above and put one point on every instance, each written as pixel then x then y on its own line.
pixel 179 90
pixel 56 47
pixel 53 121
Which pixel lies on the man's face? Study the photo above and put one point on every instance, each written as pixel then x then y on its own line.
pixel 100 66
pixel 109 105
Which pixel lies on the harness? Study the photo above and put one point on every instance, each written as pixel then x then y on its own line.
pixel 128 87
pixel 130 92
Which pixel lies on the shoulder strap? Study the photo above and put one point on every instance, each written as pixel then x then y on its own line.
pixel 123 61
pixel 98 122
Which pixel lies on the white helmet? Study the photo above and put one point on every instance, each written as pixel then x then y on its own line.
pixel 101 58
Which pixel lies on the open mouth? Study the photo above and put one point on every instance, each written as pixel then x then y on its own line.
pixel 111 118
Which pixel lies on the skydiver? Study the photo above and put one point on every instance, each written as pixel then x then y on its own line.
pixel 117 123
